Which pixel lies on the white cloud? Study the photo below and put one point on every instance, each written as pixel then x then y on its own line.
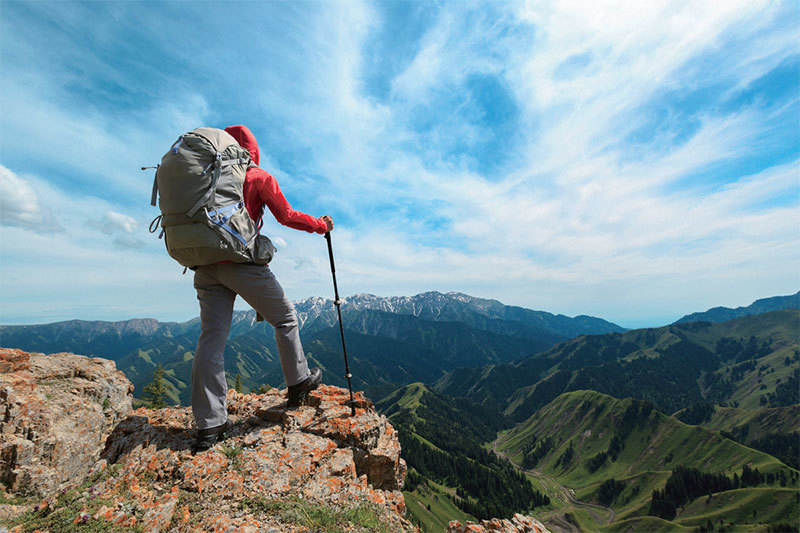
pixel 101 154
pixel 21 206
pixel 579 211
pixel 128 242
pixel 584 221
pixel 113 222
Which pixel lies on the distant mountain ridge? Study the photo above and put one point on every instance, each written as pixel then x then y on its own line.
pixel 110 340
pixel 391 340
pixel 435 306
pixel 764 305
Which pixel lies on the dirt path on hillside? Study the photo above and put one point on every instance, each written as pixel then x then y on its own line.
pixel 559 523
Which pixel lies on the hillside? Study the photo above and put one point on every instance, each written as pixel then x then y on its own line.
pixel 615 453
pixel 775 430
pixel 737 362
pixel 451 474
pixel 764 305
pixel 753 424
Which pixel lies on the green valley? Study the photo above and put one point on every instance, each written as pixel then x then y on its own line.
pixel 615 453
pixel 451 473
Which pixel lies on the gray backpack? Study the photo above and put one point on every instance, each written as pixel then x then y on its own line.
pixel 199 189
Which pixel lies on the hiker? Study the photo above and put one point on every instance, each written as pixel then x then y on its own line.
pixel 217 286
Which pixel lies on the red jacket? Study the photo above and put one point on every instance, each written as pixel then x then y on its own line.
pixel 260 189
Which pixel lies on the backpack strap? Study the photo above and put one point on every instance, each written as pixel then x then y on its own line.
pixel 154 196
pixel 218 165
pixel 221 216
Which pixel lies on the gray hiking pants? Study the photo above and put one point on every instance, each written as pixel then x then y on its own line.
pixel 217 286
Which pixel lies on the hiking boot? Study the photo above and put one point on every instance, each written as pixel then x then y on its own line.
pixel 206 438
pixel 298 394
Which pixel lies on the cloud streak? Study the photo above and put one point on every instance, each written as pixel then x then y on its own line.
pixel 637 161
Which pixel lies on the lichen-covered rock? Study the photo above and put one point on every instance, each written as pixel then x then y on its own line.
pixel 280 469
pixel 518 524
pixel 277 468
pixel 55 414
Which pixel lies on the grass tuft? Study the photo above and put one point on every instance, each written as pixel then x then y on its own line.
pixel 316 517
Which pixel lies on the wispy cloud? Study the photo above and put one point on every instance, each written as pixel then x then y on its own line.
pixel 113 222
pixel 634 160
pixel 122 227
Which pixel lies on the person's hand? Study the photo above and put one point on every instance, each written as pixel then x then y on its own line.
pixel 329 221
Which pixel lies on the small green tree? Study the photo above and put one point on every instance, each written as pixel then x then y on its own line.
pixel 237 386
pixel 263 389
pixel 155 392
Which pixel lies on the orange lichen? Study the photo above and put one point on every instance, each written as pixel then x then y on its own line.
pixel 273 452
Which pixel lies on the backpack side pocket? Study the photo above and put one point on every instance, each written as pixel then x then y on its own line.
pixel 263 250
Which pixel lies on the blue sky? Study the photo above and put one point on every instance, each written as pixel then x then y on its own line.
pixel 635 161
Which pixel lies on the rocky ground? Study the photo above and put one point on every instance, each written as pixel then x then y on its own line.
pixel 74 457
pixel 69 440
pixel 518 524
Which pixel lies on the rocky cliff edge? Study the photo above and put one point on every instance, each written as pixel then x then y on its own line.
pixel 55 414
pixel 280 470
pixel 75 457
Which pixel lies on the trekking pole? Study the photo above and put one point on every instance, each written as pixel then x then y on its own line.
pixel 338 304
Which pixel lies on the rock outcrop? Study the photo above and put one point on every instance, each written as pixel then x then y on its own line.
pixel 317 455
pixel 518 524
pixel 279 469
pixel 55 414
pixel 68 438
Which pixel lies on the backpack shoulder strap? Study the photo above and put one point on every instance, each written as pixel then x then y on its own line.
pixel 218 165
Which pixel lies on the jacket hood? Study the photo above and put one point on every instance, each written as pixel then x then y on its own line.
pixel 246 140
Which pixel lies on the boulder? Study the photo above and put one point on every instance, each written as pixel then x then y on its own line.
pixel 55 414
pixel 518 524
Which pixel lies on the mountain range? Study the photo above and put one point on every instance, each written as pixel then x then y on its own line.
pixel 395 340
pixel 672 366
pixel 588 423
pixel 764 305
